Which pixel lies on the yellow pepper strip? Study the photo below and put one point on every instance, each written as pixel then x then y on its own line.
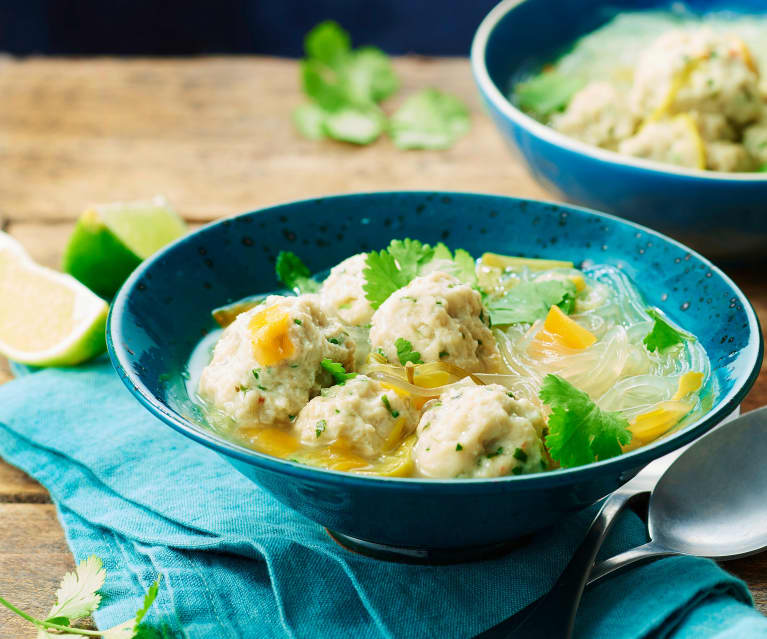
pixel 677 82
pixel 395 434
pixel 507 261
pixel 742 51
pixel 269 329
pixel 398 464
pixel 559 328
pixel 272 441
pixel 688 383
pixel 697 139
pixel 656 422
pixel 579 281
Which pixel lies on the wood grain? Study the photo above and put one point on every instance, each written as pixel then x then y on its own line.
pixel 215 136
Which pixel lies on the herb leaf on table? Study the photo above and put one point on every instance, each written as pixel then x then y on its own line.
pixel 429 119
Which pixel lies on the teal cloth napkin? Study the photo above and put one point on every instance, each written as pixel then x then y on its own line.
pixel 236 563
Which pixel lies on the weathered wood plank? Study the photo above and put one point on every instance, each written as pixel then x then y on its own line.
pixel 214 135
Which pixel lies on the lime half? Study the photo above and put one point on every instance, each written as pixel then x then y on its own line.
pixel 46 318
pixel 111 240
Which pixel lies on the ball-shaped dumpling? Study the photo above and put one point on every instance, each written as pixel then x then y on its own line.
pixel 267 364
pixel 361 416
pixel 442 318
pixel 479 431
pixel 343 293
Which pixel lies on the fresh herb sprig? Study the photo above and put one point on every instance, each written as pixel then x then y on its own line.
pixel 528 302
pixel 77 598
pixel 405 352
pixel 662 335
pixel 337 370
pixel 294 274
pixel 403 260
pixel 345 87
pixel 579 431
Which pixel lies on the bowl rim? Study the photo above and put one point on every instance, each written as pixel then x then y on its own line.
pixel 550 135
pixel 119 357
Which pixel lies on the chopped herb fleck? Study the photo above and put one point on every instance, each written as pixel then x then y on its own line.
pixel 320 428
pixel 333 340
pixel 337 411
pixel 263 388
pixel 385 400
pixel 405 352
pixel 337 370
pixel 499 451
pixel 292 418
pixel 458 447
pixel 517 470
pixel 255 372
pixel 510 394
pixel 443 354
pixel 520 455
pixel 297 321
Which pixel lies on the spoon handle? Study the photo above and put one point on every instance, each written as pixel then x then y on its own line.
pixel 554 614
pixel 650 550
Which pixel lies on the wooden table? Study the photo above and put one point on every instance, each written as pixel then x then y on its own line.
pixel 215 136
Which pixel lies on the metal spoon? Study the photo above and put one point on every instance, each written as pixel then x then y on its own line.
pixel 715 514
pixel 711 501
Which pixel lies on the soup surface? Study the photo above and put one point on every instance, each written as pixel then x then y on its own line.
pixel 668 86
pixel 419 361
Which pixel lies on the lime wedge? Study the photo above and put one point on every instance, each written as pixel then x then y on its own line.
pixel 46 318
pixel 111 240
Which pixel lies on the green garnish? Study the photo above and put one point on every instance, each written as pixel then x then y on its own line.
pixel 294 274
pixel 498 451
pixel 380 351
pixel 579 431
pixel 291 418
pixel 385 400
pixel 458 447
pixel 517 470
pixel 510 394
pixel 430 119
pixel 320 427
pixel 78 597
pixel 297 321
pixel 662 335
pixel 263 388
pixel 345 85
pixel 255 372
pixel 404 260
pixel 547 92
pixel 405 352
pixel 333 340
pixel 529 302
pixel 520 455
pixel 337 370
pixel 443 354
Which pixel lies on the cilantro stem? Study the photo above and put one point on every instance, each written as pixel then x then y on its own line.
pixel 47 624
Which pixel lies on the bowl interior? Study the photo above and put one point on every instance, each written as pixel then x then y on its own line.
pixel 163 310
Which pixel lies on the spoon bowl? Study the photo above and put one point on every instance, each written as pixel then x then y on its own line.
pixel 711 502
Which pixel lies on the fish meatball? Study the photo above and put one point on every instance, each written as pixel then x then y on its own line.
pixel 672 140
pixel 442 318
pixel 685 70
pixel 755 140
pixel 598 114
pixel 479 431
pixel 267 363
pixel 360 415
pixel 342 291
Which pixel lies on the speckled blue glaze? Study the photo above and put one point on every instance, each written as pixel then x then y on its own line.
pixel 164 309
pixel 720 214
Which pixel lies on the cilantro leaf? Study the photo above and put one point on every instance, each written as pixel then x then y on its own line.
pixel 358 124
pixel 547 92
pixel 404 260
pixel 405 352
pixel 77 595
pixel 294 274
pixel 528 302
pixel 662 335
pixel 369 76
pixel 337 370
pixel 328 43
pixel 309 119
pixel 430 119
pixel 579 431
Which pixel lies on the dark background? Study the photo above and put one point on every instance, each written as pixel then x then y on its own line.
pixel 275 27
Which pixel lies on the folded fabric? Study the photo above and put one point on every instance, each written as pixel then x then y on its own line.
pixel 237 563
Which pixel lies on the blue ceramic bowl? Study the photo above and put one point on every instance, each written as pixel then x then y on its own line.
pixel 720 214
pixel 163 310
